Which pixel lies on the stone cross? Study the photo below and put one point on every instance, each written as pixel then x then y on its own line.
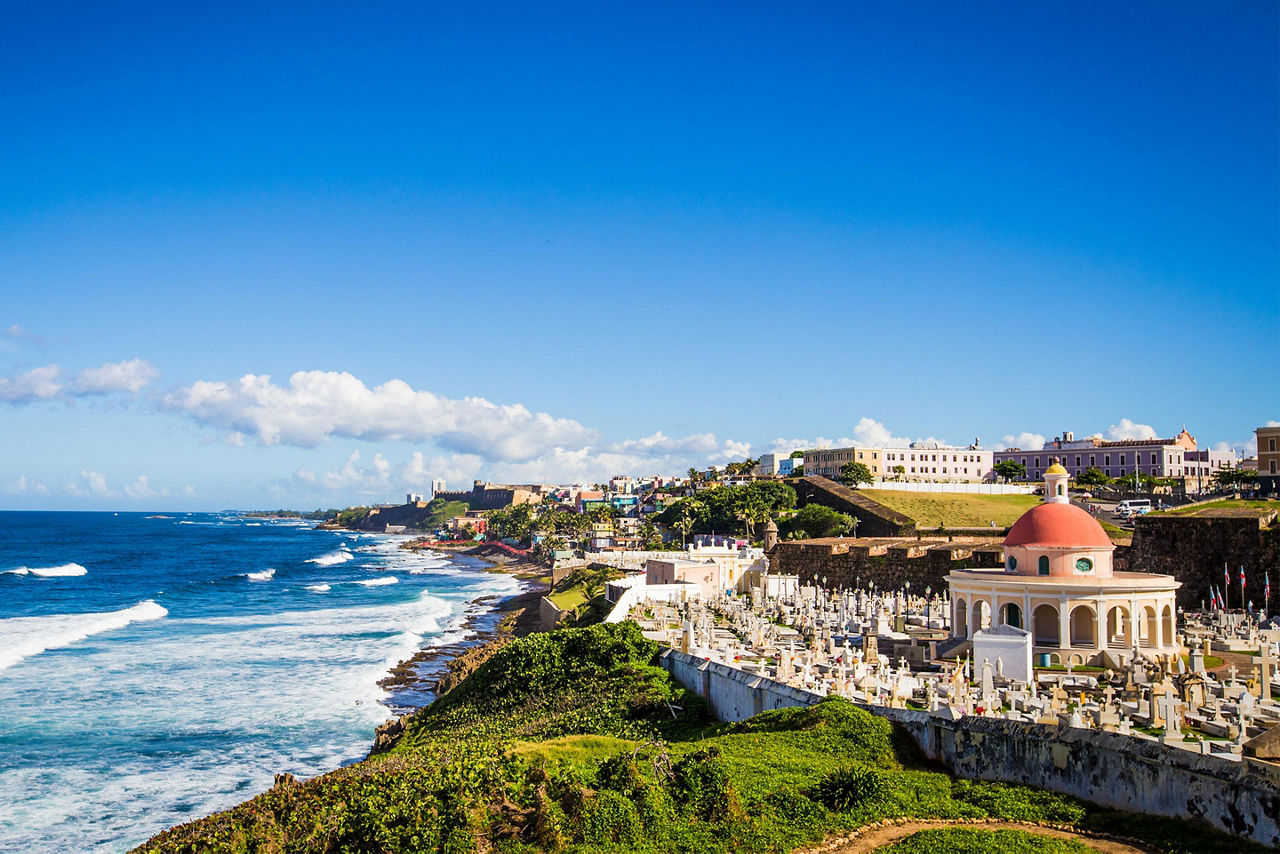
pixel 1169 704
pixel 1266 670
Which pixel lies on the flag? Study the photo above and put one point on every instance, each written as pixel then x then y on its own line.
pixel 1226 576
pixel 1266 589
pixel 1242 579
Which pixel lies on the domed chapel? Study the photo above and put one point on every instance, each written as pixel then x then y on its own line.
pixel 1058 583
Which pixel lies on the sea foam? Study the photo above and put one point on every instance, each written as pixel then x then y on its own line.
pixel 266 575
pixel 318 588
pixel 66 570
pixel 378 582
pixel 27 636
pixel 332 558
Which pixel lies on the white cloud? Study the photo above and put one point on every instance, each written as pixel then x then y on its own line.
pixel 23 486
pixel 141 488
pixel 45 382
pixel 317 405
pixel 36 384
pixel 92 484
pixel 1126 429
pixel 130 376
pixel 868 432
pixel 1023 441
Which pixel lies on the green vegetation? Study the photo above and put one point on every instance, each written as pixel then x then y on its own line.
pixel 574 741
pixel 439 511
pixel 968 840
pixel 954 510
pixel 583 592
pixel 1010 470
pixel 1226 507
pixel 352 516
pixel 729 509
pixel 852 474
pixel 816 520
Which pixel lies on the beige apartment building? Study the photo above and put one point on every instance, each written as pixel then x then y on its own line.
pixel 1268 459
pixel 917 462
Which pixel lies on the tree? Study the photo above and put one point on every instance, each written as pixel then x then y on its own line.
pixel 797 455
pixel 687 518
pixel 798 471
pixel 854 473
pixel 818 520
pixel 899 471
pixel 650 539
pixel 1092 476
pixel 1010 470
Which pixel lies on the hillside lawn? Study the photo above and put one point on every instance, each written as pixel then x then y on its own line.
pixel 1226 507
pixel 954 510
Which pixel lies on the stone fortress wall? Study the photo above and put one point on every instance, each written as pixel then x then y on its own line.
pixel 1242 798
pixel 1193 550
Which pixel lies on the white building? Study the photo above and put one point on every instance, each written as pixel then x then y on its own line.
pixel 1058 583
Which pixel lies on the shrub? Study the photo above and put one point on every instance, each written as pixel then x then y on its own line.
pixel 843 789
pixel 611 818
pixel 702 785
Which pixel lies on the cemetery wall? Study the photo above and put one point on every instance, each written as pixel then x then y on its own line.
pixel 1193 549
pixel 1106 768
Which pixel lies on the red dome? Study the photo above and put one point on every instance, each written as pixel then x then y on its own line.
pixel 1058 525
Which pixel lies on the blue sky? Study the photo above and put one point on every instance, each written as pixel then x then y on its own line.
pixel 553 242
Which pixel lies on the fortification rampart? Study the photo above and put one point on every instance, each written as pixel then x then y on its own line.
pixel 874 519
pixel 1128 773
pixel 888 561
pixel 1193 549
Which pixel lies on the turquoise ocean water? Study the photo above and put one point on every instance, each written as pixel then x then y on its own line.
pixel 154 670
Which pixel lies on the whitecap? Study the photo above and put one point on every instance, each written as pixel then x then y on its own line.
pixel 378 582
pixel 318 588
pixel 332 558
pixel 66 570
pixel 265 575
pixel 27 636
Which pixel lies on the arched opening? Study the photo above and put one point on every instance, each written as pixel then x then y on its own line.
pixel 1042 565
pixel 960 627
pixel 1166 635
pixel 1077 659
pixel 1084 626
pixel 1149 628
pixel 1011 615
pixel 1118 631
pixel 1044 623
pixel 981 615
pixel 1054 658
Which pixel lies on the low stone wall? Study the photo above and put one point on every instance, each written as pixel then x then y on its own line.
pixel 1114 770
pixel 548 614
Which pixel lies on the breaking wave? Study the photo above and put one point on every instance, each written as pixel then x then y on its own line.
pixel 27 636
pixel 66 570
pixel 333 558
pixel 266 575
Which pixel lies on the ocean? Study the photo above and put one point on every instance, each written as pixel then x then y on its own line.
pixel 157 668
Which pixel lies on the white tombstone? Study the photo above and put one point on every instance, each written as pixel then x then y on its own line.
pixel 1008 648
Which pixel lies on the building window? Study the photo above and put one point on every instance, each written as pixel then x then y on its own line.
pixel 1013 563
pixel 1093 460
pixel 1107 459
pixel 1271 445
pixel 1037 462
pixel 1273 467
pixel 1077 461
pixel 1084 565
pixel 1043 565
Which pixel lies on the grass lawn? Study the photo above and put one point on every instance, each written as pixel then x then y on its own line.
pixel 1226 507
pixel 955 510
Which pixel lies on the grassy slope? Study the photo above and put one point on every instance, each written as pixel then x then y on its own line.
pixel 955 510
pixel 566 741
pixel 1214 508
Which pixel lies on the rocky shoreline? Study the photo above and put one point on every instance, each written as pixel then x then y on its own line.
pixel 490 622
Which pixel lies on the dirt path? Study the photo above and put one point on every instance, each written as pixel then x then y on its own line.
pixel 877 835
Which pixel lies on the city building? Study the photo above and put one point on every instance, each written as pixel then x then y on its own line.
pixel 1175 457
pixel 1058 583
pixel 776 465
pixel 917 462
pixel 1268 460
